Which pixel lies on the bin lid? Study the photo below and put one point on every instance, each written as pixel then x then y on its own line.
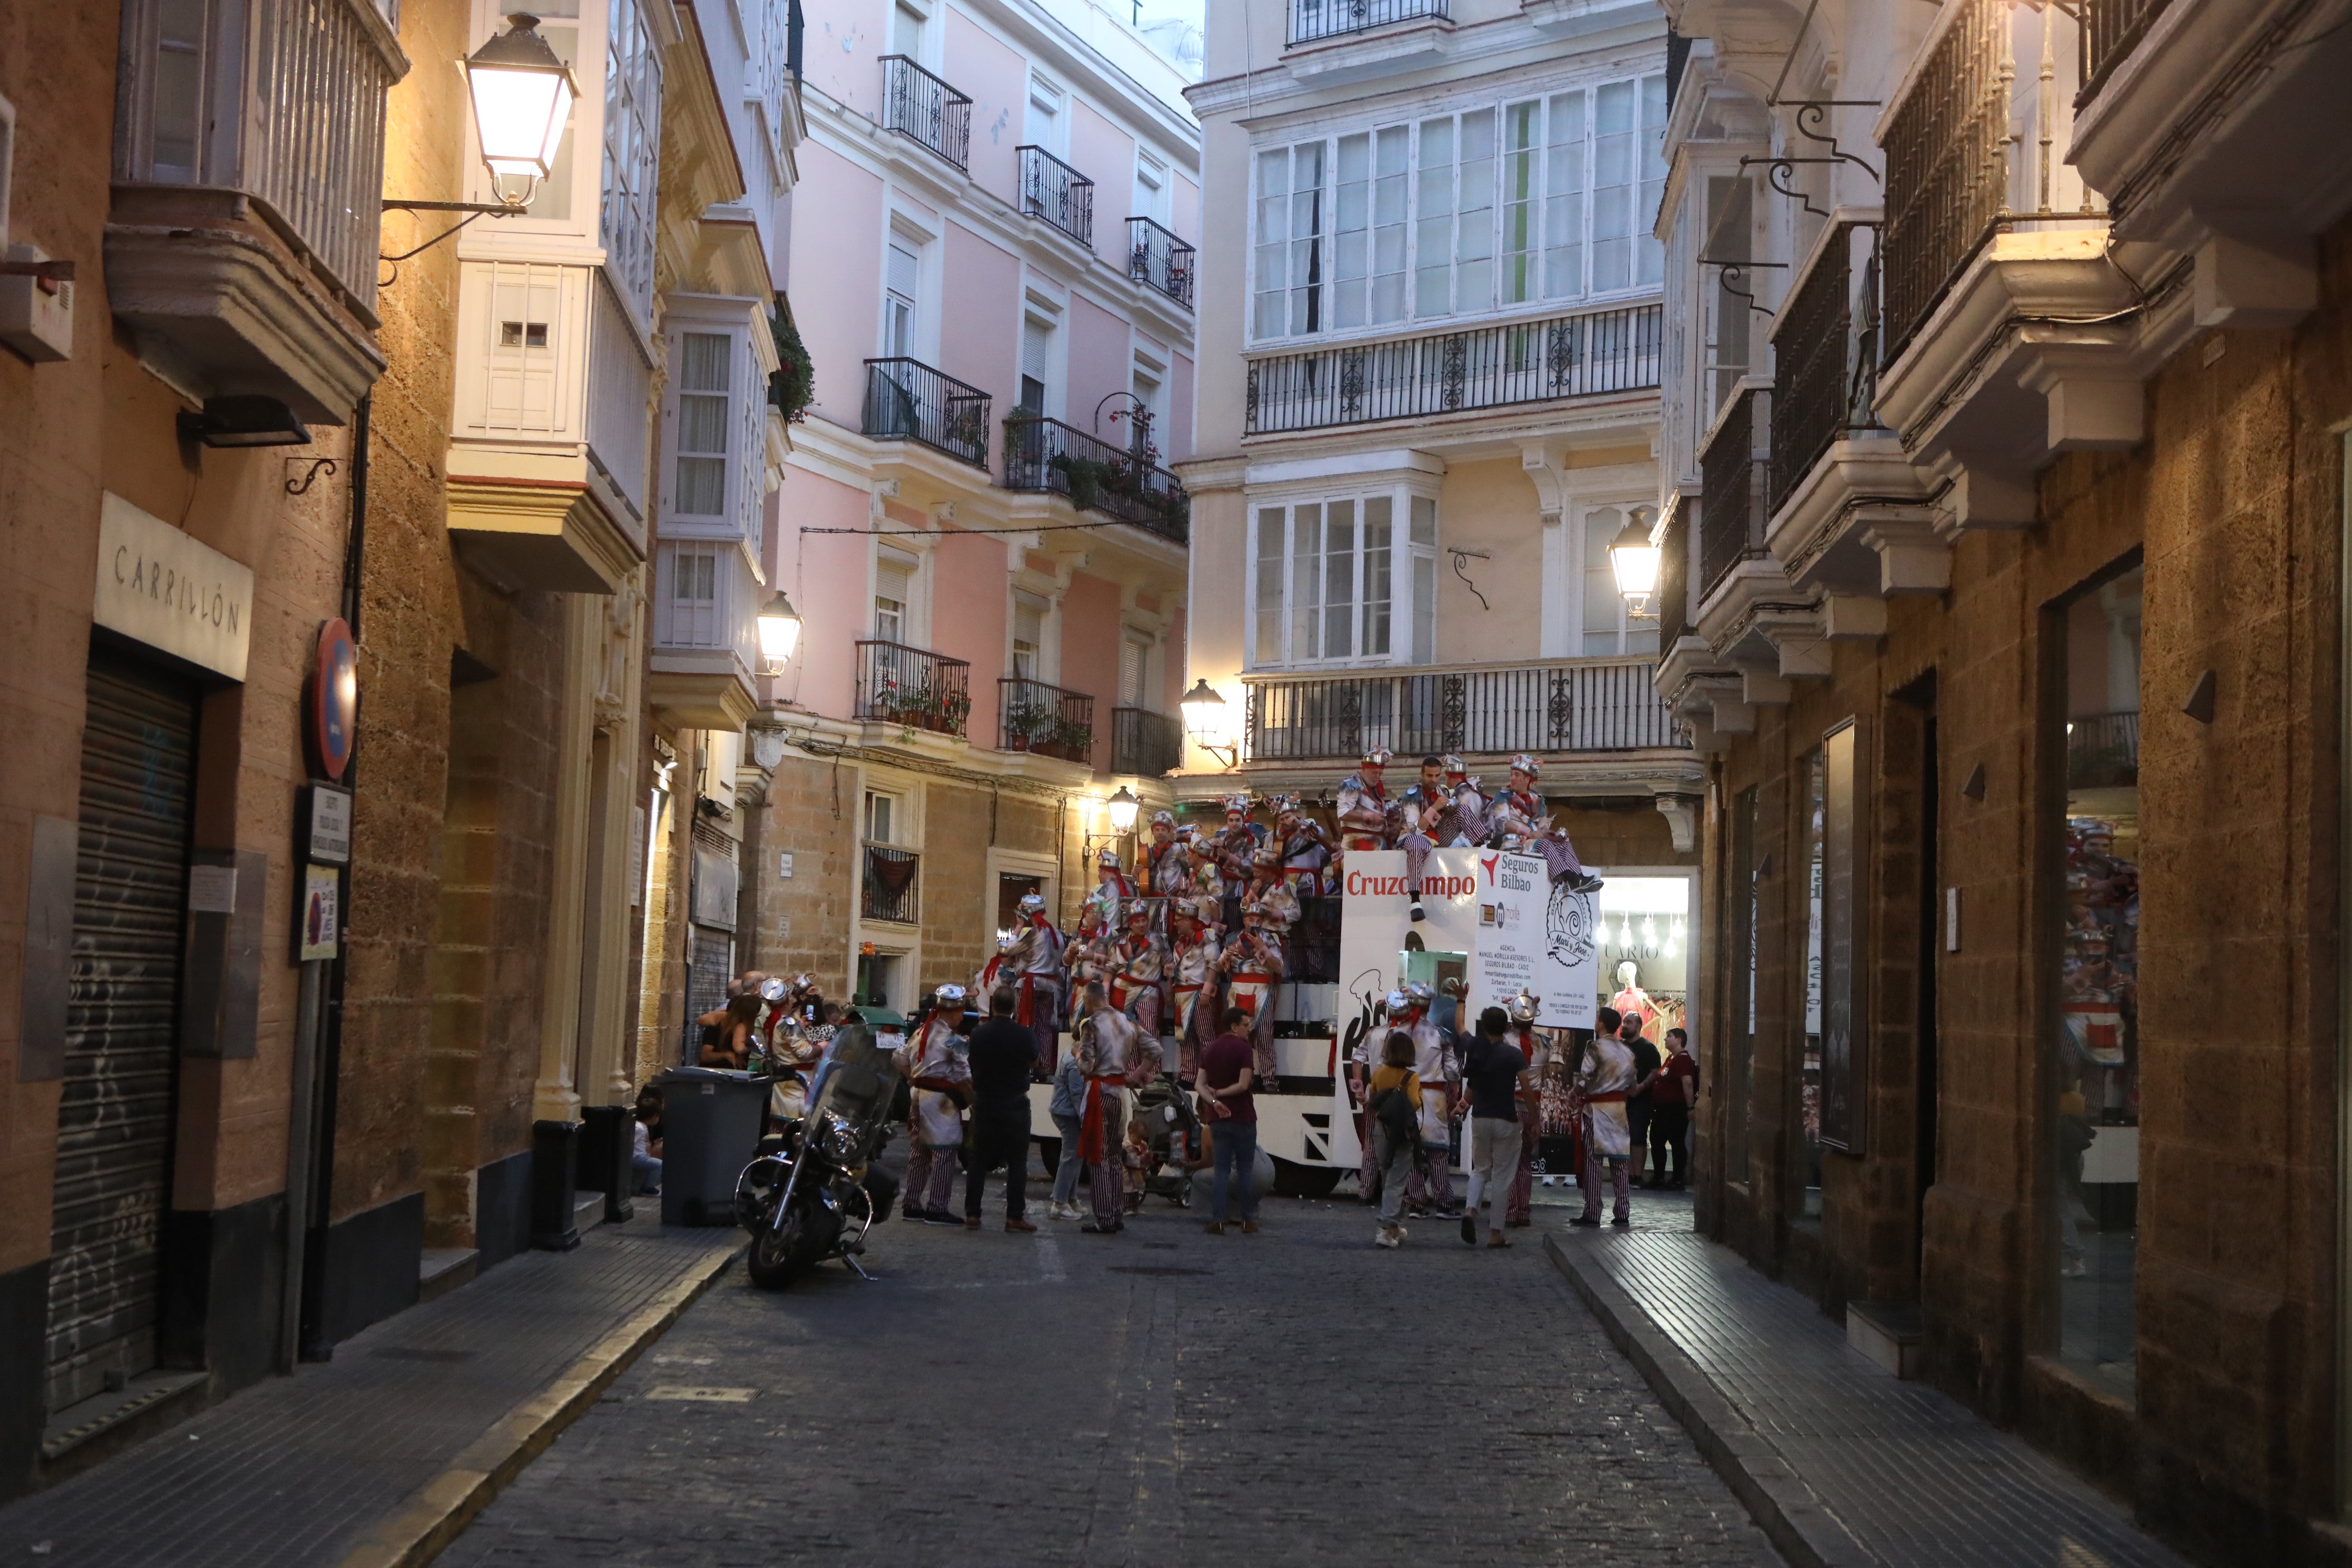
pixel 704 1075
pixel 880 1017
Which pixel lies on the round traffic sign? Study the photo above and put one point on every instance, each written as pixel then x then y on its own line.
pixel 335 698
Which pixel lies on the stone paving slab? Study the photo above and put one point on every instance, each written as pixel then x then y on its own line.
pixel 1844 1465
pixel 417 1420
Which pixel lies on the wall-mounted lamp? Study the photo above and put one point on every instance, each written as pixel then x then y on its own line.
pixel 1122 807
pixel 244 419
pixel 522 95
pixel 780 632
pixel 1634 560
pixel 1204 720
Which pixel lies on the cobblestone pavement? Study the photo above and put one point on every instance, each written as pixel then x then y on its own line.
pixel 1158 1397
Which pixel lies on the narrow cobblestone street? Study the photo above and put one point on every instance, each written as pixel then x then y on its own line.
pixel 1163 1396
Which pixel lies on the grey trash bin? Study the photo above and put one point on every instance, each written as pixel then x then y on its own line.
pixel 710 1130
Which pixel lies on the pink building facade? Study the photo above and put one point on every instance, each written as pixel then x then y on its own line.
pixel 989 253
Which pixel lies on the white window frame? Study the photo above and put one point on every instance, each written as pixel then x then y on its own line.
pixel 1151 174
pixel 916 621
pixel 1402 556
pixel 1048 665
pixel 904 229
pixel 742 514
pixel 1046 105
pixel 1047 312
pixel 927 52
pixel 1329 250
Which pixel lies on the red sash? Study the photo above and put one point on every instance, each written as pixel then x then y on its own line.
pixel 1090 1134
pixel 1025 1012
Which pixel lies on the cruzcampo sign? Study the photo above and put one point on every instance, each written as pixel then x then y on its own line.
pixel 158 585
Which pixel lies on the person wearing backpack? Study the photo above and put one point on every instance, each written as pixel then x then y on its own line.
pixel 1393 1099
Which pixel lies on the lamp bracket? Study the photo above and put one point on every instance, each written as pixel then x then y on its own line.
pixel 294 488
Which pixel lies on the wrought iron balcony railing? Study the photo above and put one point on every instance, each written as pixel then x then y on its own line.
pixel 919 105
pixel 912 687
pixel 1149 745
pixel 1313 19
pixel 1036 716
pixel 1958 168
pixel 1157 259
pixel 1565 706
pixel 1052 190
pixel 1584 356
pixel 908 400
pixel 1042 454
pixel 1672 601
pixel 1731 515
pixel 2111 30
pixel 1827 354
pixel 890 891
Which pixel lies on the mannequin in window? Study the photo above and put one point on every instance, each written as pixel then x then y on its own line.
pixel 1631 1000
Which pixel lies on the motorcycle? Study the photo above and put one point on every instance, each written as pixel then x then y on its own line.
pixel 813 1191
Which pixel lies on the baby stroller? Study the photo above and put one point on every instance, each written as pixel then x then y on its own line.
pixel 1170 1136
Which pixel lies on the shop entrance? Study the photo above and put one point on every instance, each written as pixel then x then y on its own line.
pixel 114 1120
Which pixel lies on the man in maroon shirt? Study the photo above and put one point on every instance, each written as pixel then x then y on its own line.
pixel 1229 1110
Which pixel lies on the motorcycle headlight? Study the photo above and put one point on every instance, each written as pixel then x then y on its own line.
pixel 837 1139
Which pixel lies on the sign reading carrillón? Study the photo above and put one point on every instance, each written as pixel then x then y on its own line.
pixel 158 585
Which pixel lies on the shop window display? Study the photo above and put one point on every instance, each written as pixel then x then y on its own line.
pixel 1805 1179
pixel 2095 1045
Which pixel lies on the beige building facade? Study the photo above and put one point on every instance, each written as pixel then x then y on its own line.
pixel 1429 403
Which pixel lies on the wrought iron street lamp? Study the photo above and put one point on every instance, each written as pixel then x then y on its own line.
pixel 780 632
pixel 1122 807
pixel 1634 561
pixel 523 99
pixel 1204 720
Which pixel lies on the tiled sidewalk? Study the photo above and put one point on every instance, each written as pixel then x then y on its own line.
pixel 1841 1463
pixel 309 1468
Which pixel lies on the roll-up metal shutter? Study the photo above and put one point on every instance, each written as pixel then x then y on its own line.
pixel 114 1122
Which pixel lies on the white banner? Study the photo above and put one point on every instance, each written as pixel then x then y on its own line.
pixel 1500 911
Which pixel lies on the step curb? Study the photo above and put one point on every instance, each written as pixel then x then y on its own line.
pixel 438 1512
pixel 1789 1511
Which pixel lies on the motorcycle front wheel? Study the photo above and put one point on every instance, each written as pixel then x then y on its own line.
pixel 775 1257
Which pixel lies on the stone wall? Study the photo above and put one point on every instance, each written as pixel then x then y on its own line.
pixel 2233 503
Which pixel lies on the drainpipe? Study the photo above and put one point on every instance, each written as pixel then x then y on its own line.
pixel 305 1231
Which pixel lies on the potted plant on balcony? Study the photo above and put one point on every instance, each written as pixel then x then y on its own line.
pixel 1084 476
pixel 1024 725
pixel 1071 740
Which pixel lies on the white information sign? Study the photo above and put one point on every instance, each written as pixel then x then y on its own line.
pixel 331 825
pixel 1501 911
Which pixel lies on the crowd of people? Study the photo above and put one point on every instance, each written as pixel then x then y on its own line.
pixel 1164 988
pixel 1423 1091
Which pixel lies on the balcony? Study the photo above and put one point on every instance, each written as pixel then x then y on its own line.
pixel 907 400
pixel 1828 364
pixel 890 891
pixel 1052 190
pixel 1594 353
pixel 1849 511
pixel 241 244
pixel 1557 706
pixel 2012 334
pixel 547 483
pixel 1049 721
pixel 1314 19
pixel 1157 259
pixel 911 687
pixel 1144 743
pixel 1731 490
pixel 925 110
pixel 2111 29
pixel 1042 454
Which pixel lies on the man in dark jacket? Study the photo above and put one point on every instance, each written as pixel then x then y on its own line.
pixel 1004 1056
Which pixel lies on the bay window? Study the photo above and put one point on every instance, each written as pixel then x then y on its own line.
pixel 1324 580
pixel 1538 200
